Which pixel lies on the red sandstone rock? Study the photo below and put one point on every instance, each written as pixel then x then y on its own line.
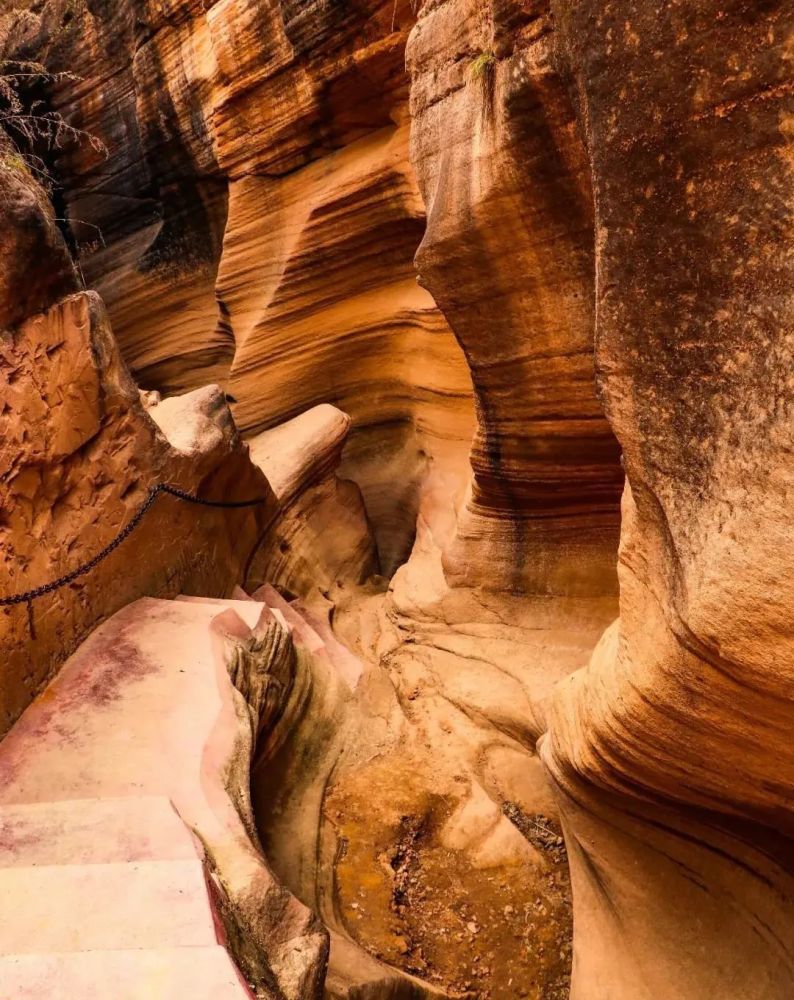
pixel 607 191
pixel 82 453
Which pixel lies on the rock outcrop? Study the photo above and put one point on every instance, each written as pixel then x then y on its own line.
pixel 508 256
pixel 321 539
pixel 28 234
pixel 671 750
pixel 81 453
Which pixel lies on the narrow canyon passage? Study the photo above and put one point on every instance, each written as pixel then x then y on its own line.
pixel 457 662
pixel 412 812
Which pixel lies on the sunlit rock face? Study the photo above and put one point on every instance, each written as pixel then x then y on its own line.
pixel 671 750
pixel 508 256
pixel 255 223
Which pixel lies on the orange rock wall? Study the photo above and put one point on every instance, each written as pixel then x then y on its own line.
pixel 672 750
pixel 80 452
pixel 508 256
pixel 255 223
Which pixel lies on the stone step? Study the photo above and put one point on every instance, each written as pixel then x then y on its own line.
pixel 242 606
pixel 92 857
pixel 302 632
pixel 93 831
pixel 249 611
pixel 201 973
pixel 346 662
pixel 143 904
pixel 133 712
pixel 314 634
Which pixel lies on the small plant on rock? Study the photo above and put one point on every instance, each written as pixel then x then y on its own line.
pixel 482 66
pixel 26 41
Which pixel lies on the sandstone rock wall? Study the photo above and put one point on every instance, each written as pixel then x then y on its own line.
pixel 672 749
pixel 508 256
pixel 255 222
pixel 80 452
pixel 563 167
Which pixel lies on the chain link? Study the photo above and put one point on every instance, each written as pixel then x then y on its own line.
pixel 154 492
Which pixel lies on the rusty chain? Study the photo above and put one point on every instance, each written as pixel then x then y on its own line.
pixel 154 492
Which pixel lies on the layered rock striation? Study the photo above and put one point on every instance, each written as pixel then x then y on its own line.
pixel 508 256
pixel 671 751
pixel 255 219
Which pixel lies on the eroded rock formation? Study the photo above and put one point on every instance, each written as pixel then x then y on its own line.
pixel 508 256
pixel 598 196
pixel 670 750
pixel 256 224
pixel 80 453
pixel 322 539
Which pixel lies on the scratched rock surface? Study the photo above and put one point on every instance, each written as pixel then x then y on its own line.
pixel 80 452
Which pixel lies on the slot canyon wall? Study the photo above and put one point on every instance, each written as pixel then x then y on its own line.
pixel 508 256
pixel 257 222
pixel 257 226
pixel 670 750
pixel 80 452
pixel 596 200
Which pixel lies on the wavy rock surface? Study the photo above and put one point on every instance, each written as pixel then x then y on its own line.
pixel 335 315
pixel 267 187
pixel 408 809
pixel 321 538
pixel 671 750
pixel 255 223
pixel 507 255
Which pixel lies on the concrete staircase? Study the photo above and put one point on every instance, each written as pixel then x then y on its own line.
pixel 104 889
pixel 107 898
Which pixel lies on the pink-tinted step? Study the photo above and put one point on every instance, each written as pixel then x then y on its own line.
pixel 146 904
pixel 249 610
pixel 93 831
pixel 204 973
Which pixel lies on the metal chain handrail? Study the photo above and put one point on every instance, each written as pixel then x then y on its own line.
pixel 154 492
